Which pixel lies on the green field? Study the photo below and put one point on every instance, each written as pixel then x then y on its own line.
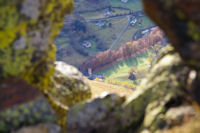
pixel 107 34
pixel 133 5
pixel 120 71
pixel 82 5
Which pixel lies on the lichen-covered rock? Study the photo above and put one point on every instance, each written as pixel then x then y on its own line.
pixel 30 113
pixel 176 115
pixel 165 87
pixel 27 53
pixel 68 88
pixel 99 115
pixel 41 128
pixel 27 32
pixel 171 83
pixel 180 20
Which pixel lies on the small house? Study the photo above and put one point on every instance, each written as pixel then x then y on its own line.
pixel 124 1
pixel 100 23
pixel 145 32
pixel 86 44
pixel 133 21
pixel 107 13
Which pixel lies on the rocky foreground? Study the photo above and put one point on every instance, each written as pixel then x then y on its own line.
pixel 167 98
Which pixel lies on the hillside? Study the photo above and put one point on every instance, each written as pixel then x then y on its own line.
pixel 103 25
pixel 36 91
pixel 131 49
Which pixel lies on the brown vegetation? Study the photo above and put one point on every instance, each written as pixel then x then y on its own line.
pixel 126 51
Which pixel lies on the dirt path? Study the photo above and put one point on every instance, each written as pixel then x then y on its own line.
pixel 120 34
pixel 98 87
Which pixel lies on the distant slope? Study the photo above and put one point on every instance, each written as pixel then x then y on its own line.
pixel 126 51
pixel 89 23
pixel 98 88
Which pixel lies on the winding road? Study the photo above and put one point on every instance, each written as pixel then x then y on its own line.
pixel 138 14
pixel 120 34
pixel 108 18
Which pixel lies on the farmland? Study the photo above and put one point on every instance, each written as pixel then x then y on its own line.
pixel 100 34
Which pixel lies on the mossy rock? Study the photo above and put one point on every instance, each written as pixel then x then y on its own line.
pixel 27 32
pixel 68 88
pixel 164 88
pixel 181 22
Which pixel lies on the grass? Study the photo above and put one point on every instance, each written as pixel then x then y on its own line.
pixel 128 34
pixel 62 41
pixel 98 87
pixel 120 71
pixel 100 14
pixel 106 34
pixel 93 15
pixel 74 59
pixel 133 5
pixel 82 5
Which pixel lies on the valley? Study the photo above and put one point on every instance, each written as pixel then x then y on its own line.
pixel 100 24
pixel 97 27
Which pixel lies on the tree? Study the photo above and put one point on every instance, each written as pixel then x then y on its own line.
pixel 79 26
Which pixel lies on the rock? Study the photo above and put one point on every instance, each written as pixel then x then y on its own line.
pixel 30 113
pixel 68 88
pixel 27 53
pixel 181 22
pixel 31 9
pixel 177 115
pixel 16 93
pixel 99 115
pixel 27 57
pixel 41 128
pixel 163 89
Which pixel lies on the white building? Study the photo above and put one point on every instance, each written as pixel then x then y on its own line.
pixel 124 1
pixel 145 32
pixel 107 13
pixel 86 44
pixel 100 23
pixel 133 21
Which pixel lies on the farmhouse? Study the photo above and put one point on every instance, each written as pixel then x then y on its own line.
pixel 124 1
pixel 100 23
pixel 86 44
pixel 107 13
pixel 145 32
pixel 133 21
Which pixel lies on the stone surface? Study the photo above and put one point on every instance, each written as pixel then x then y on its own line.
pixel 99 115
pixel 27 32
pixel 27 54
pixel 41 128
pixel 30 113
pixel 180 21
pixel 27 57
pixel 68 88
pixel 164 88
pixel 176 116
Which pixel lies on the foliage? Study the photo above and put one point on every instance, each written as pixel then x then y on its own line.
pixel 128 50
pixel 124 83
pixel 79 26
